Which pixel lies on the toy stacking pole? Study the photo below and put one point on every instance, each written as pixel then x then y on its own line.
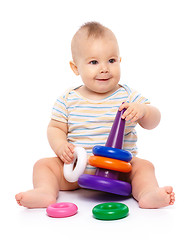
pixel 115 140
pixel 110 160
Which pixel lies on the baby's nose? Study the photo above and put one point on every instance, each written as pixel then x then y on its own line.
pixel 104 69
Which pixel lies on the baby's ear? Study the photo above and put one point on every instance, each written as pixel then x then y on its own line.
pixel 74 68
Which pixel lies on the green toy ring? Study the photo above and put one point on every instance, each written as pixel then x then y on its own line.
pixel 110 211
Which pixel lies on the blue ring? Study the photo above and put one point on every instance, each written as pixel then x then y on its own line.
pixel 105 184
pixel 112 153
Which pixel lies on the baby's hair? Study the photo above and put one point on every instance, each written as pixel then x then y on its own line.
pixel 91 29
pixel 94 29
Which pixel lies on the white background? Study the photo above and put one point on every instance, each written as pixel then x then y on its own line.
pixel 155 42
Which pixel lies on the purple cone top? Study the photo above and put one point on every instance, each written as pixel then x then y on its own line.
pixel 115 138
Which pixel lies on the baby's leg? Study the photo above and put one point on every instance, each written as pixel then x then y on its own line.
pixel 145 188
pixel 47 181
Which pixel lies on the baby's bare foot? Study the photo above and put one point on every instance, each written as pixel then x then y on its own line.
pixel 160 197
pixel 36 198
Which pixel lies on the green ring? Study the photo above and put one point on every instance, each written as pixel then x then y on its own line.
pixel 110 211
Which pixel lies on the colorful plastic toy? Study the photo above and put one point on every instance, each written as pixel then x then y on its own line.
pixel 61 210
pixel 72 174
pixel 112 153
pixel 110 163
pixel 110 211
pixel 110 160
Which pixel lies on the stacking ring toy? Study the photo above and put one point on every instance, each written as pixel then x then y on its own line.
pixel 110 163
pixel 110 160
pixel 61 210
pixel 105 184
pixel 72 174
pixel 110 152
pixel 110 211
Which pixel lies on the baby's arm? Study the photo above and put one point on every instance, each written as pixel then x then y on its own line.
pixel 57 137
pixel 146 115
pixel 151 118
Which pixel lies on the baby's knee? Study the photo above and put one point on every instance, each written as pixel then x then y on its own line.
pixel 48 162
pixel 142 164
pixel 40 162
pixel 147 164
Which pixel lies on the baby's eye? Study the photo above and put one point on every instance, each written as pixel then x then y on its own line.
pixel 112 60
pixel 93 62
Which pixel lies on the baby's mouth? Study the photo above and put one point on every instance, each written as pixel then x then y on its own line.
pixel 103 79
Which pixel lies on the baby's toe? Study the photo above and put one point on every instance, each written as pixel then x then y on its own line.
pixel 172 198
pixel 18 198
pixel 169 189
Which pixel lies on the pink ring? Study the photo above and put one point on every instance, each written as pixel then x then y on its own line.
pixel 61 210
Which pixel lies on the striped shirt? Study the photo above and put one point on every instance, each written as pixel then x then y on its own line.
pixel 90 121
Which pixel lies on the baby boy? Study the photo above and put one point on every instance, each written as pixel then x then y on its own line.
pixel 83 116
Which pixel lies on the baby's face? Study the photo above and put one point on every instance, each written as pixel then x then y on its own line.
pixel 98 63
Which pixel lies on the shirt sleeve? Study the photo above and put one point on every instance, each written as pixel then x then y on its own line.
pixel 59 111
pixel 134 96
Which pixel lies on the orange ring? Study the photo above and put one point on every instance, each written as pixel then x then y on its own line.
pixel 110 163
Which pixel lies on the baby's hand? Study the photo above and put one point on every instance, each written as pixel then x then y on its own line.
pixel 134 111
pixel 65 152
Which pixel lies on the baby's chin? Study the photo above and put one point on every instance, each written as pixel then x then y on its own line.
pixel 104 88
